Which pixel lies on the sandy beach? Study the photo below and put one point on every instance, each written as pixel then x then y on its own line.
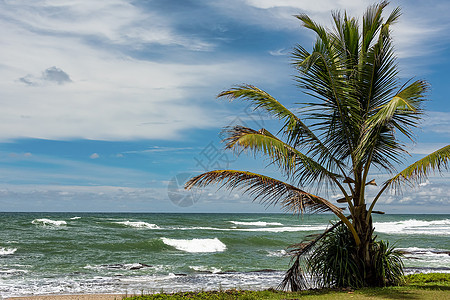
pixel 73 297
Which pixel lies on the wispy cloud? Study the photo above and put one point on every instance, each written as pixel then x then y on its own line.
pixel 420 32
pixel 438 122
pixel 279 52
pixel 112 95
pixel 115 22
pixel 157 149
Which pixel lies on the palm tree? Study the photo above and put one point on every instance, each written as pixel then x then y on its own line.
pixel 351 127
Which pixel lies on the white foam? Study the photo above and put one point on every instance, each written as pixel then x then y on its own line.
pixel 138 224
pixel 12 272
pixel 259 223
pixel 48 222
pixel 277 253
pixel 196 245
pixel 205 269
pixel 75 218
pixel 426 257
pixel 413 226
pixel 7 251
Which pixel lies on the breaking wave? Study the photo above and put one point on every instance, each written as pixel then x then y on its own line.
pixel 138 224
pixel 413 226
pixel 196 245
pixel 7 251
pixel 48 222
pixel 259 223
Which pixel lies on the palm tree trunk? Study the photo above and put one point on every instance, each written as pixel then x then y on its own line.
pixel 365 249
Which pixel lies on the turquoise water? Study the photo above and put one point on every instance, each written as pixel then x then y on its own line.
pixel 45 253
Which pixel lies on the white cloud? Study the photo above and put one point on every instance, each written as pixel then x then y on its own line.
pixel 433 193
pixel 94 156
pixel 116 21
pixel 111 96
pixel 427 182
pixel 438 122
pixel 279 52
pixel 420 31
pixel 323 6
pixel 425 148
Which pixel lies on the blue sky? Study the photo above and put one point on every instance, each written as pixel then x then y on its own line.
pixel 110 105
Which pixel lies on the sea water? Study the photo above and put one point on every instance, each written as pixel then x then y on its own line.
pixel 65 253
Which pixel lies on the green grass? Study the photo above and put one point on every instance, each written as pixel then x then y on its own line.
pixel 418 286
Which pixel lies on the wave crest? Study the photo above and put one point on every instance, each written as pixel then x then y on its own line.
pixel 138 224
pixel 413 226
pixel 258 223
pixel 48 222
pixel 7 251
pixel 196 245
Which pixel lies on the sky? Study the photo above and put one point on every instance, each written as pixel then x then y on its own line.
pixel 110 106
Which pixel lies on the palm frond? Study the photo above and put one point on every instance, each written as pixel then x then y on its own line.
pixel 295 131
pixel 416 172
pixel 326 78
pixel 401 112
pixel 419 171
pixel 266 190
pixel 296 165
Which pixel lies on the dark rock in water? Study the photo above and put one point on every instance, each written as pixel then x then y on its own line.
pixel 226 272
pixel 203 272
pixel 180 274
pixel 145 265
pixel 262 271
pixel 126 266
pixel 140 266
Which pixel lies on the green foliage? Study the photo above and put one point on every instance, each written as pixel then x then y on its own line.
pixel 441 278
pixel 333 263
pixel 388 264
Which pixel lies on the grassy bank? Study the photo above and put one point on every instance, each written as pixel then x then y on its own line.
pixel 418 286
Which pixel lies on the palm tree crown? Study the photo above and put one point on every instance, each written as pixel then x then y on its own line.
pixel 359 112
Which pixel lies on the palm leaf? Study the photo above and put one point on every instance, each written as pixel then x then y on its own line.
pixel 416 172
pixel 401 112
pixel 294 163
pixel 419 171
pixel 296 132
pixel 266 190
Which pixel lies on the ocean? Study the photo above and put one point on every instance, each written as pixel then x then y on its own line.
pixel 69 253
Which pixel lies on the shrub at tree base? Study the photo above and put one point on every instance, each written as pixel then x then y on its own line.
pixel 334 262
